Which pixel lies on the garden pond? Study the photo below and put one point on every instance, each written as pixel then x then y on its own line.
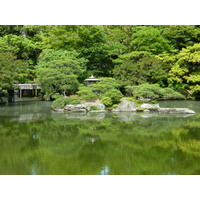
pixel 35 140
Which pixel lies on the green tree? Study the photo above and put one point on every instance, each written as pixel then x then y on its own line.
pixel 140 67
pixel 12 70
pixel 184 75
pixel 58 72
pixel 181 36
pixel 150 39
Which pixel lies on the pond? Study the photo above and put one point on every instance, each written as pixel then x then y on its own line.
pixel 36 140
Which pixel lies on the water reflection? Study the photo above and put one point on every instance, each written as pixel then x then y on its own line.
pixel 35 140
pixel 105 170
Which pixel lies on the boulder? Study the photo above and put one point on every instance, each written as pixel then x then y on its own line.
pixel 176 111
pixel 75 108
pixel 145 100
pixel 80 106
pixel 101 106
pixel 149 106
pixel 126 106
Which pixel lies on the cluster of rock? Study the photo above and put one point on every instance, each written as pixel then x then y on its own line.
pixel 83 108
pixel 126 106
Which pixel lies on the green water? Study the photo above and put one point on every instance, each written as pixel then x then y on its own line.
pixel 36 140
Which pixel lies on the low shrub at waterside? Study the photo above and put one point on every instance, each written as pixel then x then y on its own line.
pixel 152 91
pixel 62 101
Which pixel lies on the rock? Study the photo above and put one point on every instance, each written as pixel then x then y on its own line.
pixel 101 106
pixel 149 106
pixel 176 111
pixel 75 108
pixel 146 110
pixel 80 106
pixel 145 100
pixel 139 109
pixel 80 110
pixel 126 106
pixel 69 107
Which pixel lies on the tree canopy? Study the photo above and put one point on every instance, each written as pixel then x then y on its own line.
pixel 132 54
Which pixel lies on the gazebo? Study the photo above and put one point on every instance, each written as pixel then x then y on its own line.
pixel 91 80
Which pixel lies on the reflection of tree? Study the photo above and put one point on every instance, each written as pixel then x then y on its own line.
pixel 156 145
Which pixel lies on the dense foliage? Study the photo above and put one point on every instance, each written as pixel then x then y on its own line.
pixel 60 57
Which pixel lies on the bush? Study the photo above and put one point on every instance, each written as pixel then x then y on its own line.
pixel 94 108
pixel 152 91
pixel 114 94
pixel 62 101
pixel 106 101
pixel 86 93
pixel 114 106
pixel 58 103
pixel 128 99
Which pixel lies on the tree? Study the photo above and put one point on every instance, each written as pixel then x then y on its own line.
pixel 58 72
pixel 181 36
pixel 12 70
pixel 184 75
pixel 150 39
pixel 140 67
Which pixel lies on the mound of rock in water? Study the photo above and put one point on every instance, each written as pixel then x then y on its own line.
pixel 176 111
pixel 125 106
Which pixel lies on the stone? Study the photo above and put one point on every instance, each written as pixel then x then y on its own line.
pixel 176 111
pixel 149 106
pixel 145 100
pixel 69 107
pixel 125 106
pixel 101 106
pixel 75 108
pixel 146 110
pixel 80 106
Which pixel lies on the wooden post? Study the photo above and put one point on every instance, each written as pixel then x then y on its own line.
pixel 20 93
pixel 36 92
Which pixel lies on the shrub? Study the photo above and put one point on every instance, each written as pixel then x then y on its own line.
pixel 114 94
pixel 153 91
pixel 86 93
pixel 153 102
pixel 114 106
pixel 62 101
pixel 58 103
pixel 127 98
pixel 94 108
pixel 106 101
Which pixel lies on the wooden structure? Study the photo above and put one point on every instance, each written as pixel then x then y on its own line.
pixel 33 87
pixel 91 80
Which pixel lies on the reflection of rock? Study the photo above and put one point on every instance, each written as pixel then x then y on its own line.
pixel 148 106
pixel 29 117
pixel 125 106
pixel 85 116
pixel 176 111
pixel 99 111
pixel 92 138
pixel 58 109
pixel 126 116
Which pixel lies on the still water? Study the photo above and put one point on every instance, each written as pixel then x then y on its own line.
pixel 36 140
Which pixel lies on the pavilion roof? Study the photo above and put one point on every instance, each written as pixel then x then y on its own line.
pixel 92 78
